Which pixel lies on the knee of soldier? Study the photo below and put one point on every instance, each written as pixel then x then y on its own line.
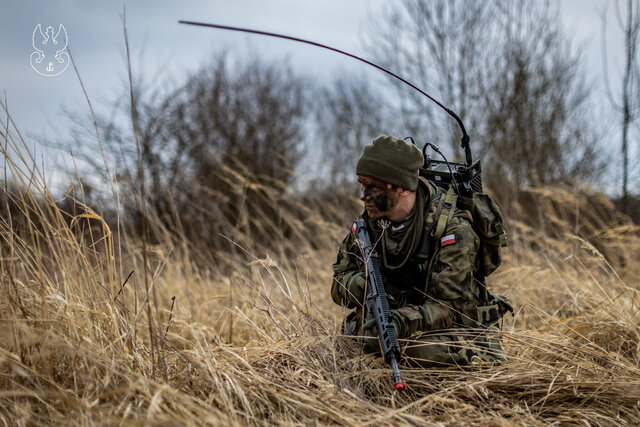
pixel 371 346
pixel 484 348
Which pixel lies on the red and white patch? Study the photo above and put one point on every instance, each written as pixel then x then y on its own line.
pixel 447 240
pixel 353 229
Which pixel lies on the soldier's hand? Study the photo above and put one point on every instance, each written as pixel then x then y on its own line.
pixel 355 289
pixel 370 328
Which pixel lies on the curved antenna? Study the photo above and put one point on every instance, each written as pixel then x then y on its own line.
pixel 465 137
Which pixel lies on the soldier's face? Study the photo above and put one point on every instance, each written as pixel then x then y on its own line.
pixel 378 196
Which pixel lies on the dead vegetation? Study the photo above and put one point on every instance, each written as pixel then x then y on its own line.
pixel 254 340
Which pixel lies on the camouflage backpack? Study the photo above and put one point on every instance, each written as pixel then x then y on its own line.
pixel 487 223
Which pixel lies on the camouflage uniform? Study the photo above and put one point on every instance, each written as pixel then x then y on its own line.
pixel 438 305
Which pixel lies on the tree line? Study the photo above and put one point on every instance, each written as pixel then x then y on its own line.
pixel 508 68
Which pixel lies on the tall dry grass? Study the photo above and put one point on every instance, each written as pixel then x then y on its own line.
pixel 255 340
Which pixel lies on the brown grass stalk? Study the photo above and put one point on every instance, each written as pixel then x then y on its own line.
pixel 69 351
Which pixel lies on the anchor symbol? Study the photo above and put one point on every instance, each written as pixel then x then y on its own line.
pixel 50 67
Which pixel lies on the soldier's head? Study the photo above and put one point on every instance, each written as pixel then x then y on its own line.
pixel 388 171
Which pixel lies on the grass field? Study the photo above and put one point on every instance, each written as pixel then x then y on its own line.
pixel 100 327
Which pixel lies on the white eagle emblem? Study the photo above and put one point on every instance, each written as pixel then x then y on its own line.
pixel 49 57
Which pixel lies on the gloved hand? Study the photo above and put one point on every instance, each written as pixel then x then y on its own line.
pixel 370 328
pixel 355 289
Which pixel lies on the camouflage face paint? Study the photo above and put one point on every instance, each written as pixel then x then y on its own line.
pixel 378 197
pixel 385 201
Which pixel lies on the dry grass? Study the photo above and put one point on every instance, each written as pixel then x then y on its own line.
pixel 260 345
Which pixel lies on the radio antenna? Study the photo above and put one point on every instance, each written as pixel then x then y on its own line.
pixel 465 136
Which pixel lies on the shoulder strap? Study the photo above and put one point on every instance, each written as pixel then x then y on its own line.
pixel 444 213
pixel 434 195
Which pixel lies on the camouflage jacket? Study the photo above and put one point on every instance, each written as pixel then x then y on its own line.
pixel 436 289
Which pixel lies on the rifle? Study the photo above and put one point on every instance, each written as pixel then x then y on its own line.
pixel 378 304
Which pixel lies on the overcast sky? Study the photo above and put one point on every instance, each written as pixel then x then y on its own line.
pixel 96 42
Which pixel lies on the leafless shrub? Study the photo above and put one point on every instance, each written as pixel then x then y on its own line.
pixel 246 114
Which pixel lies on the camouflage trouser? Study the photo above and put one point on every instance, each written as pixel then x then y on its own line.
pixel 455 347
pixel 475 344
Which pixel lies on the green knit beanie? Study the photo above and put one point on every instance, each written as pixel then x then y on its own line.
pixel 393 160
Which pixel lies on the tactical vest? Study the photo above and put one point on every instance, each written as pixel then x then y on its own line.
pixel 408 285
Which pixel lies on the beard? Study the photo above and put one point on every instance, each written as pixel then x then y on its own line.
pixel 382 203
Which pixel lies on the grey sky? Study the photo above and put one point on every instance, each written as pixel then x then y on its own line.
pixel 96 42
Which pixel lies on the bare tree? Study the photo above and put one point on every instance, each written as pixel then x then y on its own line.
pixel 249 113
pixel 627 101
pixel 511 74
pixel 208 146
pixel 536 108
pixel 349 114
pixel 440 46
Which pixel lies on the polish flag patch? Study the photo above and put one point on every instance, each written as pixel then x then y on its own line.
pixel 447 240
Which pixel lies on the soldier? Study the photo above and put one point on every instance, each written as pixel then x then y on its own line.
pixel 437 302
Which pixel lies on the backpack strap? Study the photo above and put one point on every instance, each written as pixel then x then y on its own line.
pixel 444 213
